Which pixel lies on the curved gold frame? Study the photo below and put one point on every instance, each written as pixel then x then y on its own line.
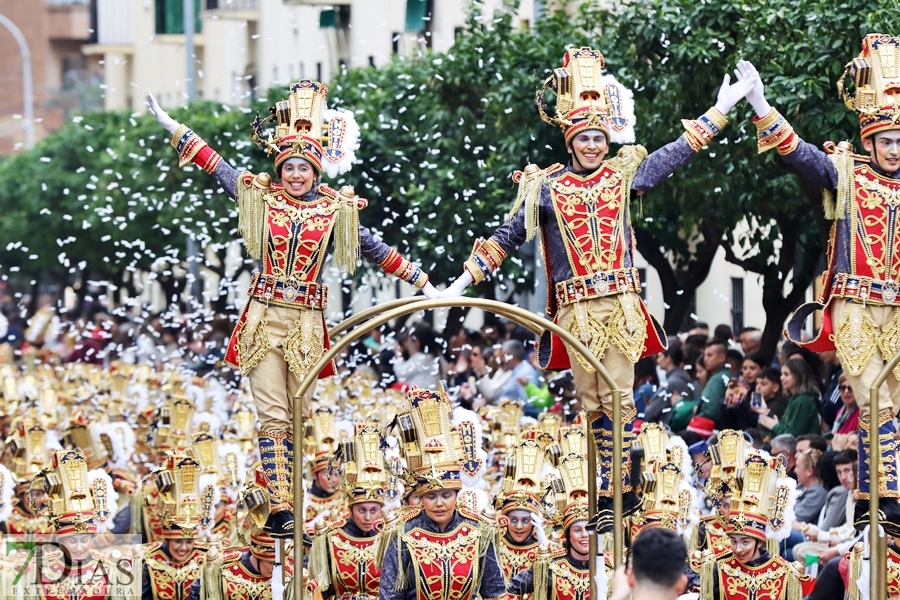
pixel 403 306
pixel 877 544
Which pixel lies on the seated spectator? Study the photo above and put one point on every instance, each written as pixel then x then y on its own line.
pixel 847 419
pixel 714 359
pixel 675 397
pixel 835 526
pixel 802 412
pixel 811 499
pixel 785 445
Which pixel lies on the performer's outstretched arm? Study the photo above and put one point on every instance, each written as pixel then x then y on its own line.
pixel 775 132
pixel 192 148
pixel 393 263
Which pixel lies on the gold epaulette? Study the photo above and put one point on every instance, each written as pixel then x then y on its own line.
pixel 231 555
pixel 531 181
pixel 468 513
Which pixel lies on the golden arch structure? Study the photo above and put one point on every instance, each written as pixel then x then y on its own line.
pixel 358 325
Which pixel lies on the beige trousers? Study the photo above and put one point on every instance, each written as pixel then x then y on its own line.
pixel 866 337
pixel 272 383
pixel 613 328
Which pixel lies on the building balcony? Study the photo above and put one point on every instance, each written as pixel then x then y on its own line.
pixel 69 20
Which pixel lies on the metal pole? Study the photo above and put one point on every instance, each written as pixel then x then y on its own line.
pixel 514 313
pixel 297 479
pixel 189 48
pixel 593 540
pixel 26 80
pixel 877 544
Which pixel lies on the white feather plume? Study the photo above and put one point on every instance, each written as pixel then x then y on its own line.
pixel 349 146
pixel 112 498
pixel 626 136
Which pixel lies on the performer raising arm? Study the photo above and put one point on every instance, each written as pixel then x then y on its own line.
pixel 582 211
pixel 288 228
pixel 861 318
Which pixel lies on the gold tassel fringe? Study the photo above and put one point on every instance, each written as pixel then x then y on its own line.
pixel 529 195
pixel 318 560
pixel 251 203
pixel 346 232
pixel 707 579
pixel 541 569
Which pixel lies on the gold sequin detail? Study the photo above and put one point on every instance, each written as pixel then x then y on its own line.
pixel 889 341
pixel 627 327
pixel 303 345
pixel 590 331
pixel 253 338
pixel 856 340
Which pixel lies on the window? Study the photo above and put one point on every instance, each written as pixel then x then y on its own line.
pixel 318 71
pixel 416 11
pixel 170 16
pixel 642 273
pixel 371 60
pixel 737 304
pixel 395 43
pixel 334 17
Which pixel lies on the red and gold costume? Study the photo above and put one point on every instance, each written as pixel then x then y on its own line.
pixel 859 298
pixel 856 564
pixel 421 560
pixel 179 509
pixel 667 499
pixel 170 580
pixel 343 557
pixel 588 246
pixel 761 507
pixel 321 443
pixel 281 333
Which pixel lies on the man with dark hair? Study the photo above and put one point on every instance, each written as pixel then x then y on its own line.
pixel 734 360
pixel 714 358
pixel 723 333
pixel 676 391
pixel 810 440
pixel 658 561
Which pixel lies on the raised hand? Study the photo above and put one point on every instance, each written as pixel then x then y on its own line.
pixel 756 96
pixel 458 287
pixel 161 116
pixel 731 93
pixel 430 291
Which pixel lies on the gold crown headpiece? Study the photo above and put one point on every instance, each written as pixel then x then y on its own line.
pixel 667 497
pixel 876 78
pixel 433 450
pixel 762 500
pixel 321 437
pixel 365 474
pixel 521 485
pixel 305 128
pixel 180 507
pixel 27 446
pixel 570 489
pixel 79 501
pixel 588 99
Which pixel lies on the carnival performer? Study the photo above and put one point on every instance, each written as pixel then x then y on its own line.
pixel 343 554
pixel 519 503
pixel 438 551
pixel 172 565
pixel 565 575
pixel 26 513
pixel 81 504
pixel 288 228
pixel 762 500
pixel 861 319
pixel 324 497
pixel 582 211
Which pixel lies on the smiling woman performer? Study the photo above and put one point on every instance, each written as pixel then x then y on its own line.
pixel 566 576
pixel 288 228
pixel 439 551
pixel 343 554
pixel 583 213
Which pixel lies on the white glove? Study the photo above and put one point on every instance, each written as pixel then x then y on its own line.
pixel 430 291
pixel 730 93
pixel 458 287
pixel 161 116
pixel 756 96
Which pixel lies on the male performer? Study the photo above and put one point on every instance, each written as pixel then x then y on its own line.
pixel 583 213
pixel 861 317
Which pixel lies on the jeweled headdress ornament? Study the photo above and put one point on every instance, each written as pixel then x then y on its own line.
pixel 570 489
pixel 762 499
pixel 306 128
pixel 588 99
pixel 876 77
pixel 180 506
pixel 365 474
pixel 667 495
pixel 79 501
pixel 523 479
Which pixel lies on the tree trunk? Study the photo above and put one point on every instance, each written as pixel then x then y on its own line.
pixel 690 279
